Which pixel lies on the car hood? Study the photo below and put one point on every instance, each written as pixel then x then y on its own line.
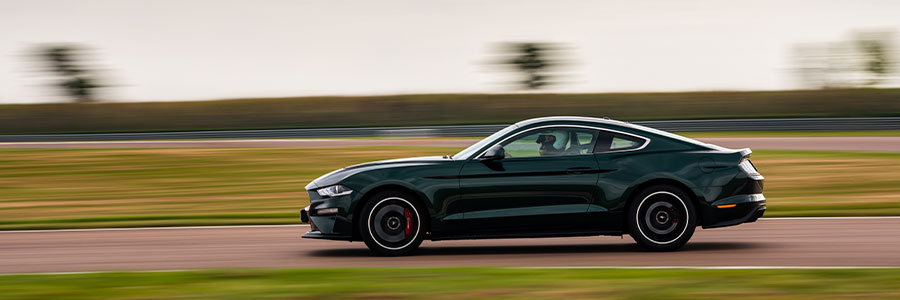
pixel 336 176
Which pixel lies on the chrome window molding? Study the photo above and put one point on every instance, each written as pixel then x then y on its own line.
pixel 644 145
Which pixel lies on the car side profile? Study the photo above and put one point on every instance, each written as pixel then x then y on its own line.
pixel 543 177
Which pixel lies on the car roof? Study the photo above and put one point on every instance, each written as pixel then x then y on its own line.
pixel 571 119
pixel 608 121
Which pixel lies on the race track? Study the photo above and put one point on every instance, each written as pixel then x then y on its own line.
pixel 768 242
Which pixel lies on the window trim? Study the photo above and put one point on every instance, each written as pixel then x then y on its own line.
pixel 646 141
pixel 644 145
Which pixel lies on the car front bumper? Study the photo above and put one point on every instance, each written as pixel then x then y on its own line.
pixel 334 226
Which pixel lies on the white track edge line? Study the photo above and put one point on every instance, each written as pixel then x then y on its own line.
pixel 717 267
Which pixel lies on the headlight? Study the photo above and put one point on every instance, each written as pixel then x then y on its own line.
pixel 334 190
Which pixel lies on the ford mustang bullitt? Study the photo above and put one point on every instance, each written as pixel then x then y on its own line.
pixel 543 177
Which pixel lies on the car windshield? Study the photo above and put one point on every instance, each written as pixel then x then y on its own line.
pixel 475 147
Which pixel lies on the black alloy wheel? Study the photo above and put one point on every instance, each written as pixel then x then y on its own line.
pixel 392 223
pixel 662 218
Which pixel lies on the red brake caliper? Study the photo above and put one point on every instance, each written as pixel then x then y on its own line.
pixel 408 221
pixel 674 220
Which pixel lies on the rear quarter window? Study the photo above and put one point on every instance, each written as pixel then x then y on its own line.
pixel 613 142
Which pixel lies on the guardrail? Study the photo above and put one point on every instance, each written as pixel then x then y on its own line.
pixel 885 123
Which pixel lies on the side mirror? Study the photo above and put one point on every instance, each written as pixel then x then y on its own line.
pixel 494 153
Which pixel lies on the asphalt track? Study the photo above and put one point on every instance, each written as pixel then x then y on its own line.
pixel 810 242
pixel 869 144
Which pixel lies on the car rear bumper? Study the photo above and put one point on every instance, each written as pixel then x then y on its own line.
pixel 733 211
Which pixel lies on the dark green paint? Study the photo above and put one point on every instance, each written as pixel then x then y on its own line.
pixel 545 196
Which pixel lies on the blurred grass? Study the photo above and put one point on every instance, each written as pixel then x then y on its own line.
pixel 824 183
pixel 439 109
pixel 159 187
pixel 460 283
pixel 81 188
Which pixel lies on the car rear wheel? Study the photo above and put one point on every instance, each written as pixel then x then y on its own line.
pixel 391 223
pixel 662 218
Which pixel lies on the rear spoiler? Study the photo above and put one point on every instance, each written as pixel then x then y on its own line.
pixel 736 155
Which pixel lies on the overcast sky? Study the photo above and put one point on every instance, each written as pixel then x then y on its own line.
pixel 209 49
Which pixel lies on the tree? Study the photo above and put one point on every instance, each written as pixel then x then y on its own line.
pixel 535 61
pixel 75 79
pixel 875 55
pixel 865 59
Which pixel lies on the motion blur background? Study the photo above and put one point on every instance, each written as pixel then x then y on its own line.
pixel 207 49
pixel 811 86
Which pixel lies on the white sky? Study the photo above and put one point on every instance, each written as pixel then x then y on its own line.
pixel 208 49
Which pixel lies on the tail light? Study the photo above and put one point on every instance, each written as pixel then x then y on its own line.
pixel 750 169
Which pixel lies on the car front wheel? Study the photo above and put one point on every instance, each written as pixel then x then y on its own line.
pixel 391 223
pixel 661 218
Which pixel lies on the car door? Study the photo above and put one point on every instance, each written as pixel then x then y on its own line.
pixel 614 151
pixel 541 186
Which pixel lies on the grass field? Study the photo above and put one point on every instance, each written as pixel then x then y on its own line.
pixel 150 187
pixel 460 283
pixel 439 109
pixel 77 188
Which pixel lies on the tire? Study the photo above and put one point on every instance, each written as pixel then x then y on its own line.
pixel 392 223
pixel 661 218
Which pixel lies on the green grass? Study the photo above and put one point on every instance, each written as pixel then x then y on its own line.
pixel 166 187
pixel 826 183
pixel 82 188
pixel 460 283
pixel 439 109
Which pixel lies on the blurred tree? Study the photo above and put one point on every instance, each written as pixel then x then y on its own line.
pixel 76 80
pixel 866 59
pixel 875 53
pixel 535 61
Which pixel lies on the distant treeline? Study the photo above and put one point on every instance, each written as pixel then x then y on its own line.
pixel 438 109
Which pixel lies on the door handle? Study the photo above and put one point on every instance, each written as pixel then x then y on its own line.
pixel 577 170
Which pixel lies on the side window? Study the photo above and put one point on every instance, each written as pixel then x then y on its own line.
pixel 523 146
pixel 610 141
pixel 551 142
pixel 584 141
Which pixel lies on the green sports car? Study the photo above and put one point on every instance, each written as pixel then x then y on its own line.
pixel 544 177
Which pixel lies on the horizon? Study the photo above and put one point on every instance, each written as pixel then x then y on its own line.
pixel 509 93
